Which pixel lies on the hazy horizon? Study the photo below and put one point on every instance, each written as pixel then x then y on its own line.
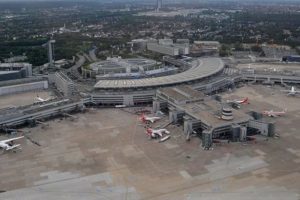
pixel 168 1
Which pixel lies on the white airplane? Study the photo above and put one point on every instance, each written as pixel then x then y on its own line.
pixel 38 99
pixel 145 119
pixel 157 132
pixel 242 101
pixel 272 113
pixel 8 144
pixel 120 106
pixel 292 91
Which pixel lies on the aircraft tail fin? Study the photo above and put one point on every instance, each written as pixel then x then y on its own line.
pixel 245 100
pixel 142 118
pixel 148 131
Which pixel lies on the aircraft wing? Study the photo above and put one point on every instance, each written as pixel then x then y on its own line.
pixel 158 133
pixel 12 139
pixel 274 114
pixel 13 147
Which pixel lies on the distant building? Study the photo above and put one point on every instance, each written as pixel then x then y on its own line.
pixel 15 59
pixel 165 41
pixel 205 48
pixel 208 44
pixel 57 64
pixel 183 41
pixel 138 44
pixel 167 50
pixel 11 71
pixel 292 58
pixel 277 51
pixel 167 47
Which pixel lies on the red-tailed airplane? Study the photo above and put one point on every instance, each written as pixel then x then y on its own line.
pixel 145 119
pixel 158 133
pixel 8 144
pixel 218 141
pixel 241 101
pixel 272 113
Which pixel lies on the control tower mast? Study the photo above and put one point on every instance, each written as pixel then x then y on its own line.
pixel 158 5
pixel 51 53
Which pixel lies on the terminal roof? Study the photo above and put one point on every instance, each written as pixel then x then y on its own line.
pixel 201 68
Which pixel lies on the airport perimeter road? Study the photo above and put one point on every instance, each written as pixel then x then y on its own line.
pixel 74 69
pixel 92 54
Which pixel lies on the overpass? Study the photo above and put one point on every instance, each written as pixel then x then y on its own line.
pixel 23 115
pixel 269 78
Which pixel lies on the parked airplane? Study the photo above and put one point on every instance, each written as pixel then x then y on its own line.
pixel 145 119
pixel 9 143
pixel 153 133
pixel 292 91
pixel 242 101
pixel 220 141
pixel 272 113
pixel 120 106
pixel 38 99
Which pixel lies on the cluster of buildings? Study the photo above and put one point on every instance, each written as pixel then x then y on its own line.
pixel 212 118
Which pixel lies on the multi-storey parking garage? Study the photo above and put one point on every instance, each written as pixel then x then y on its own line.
pixel 136 91
pixel 119 65
pixel 118 68
pixel 200 68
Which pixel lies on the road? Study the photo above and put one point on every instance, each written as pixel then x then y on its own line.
pixel 92 55
pixel 74 69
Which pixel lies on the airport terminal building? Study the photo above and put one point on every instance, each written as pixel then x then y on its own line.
pixel 137 91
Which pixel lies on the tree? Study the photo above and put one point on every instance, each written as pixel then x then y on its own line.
pixel 224 51
pixel 238 46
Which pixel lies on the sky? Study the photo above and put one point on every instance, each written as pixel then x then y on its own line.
pixel 154 0
pixel 185 1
